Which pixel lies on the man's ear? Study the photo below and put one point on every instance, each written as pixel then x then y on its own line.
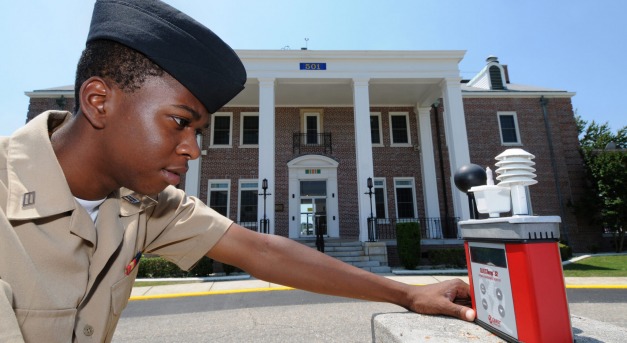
pixel 93 95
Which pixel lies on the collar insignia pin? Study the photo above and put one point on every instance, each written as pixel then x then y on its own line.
pixel 133 200
pixel 29 199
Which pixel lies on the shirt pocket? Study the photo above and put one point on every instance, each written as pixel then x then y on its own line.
pixel 46 325
pixel 121 291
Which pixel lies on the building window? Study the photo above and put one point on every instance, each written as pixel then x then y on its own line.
pixel 219 196
pixel 508 125
pixel 405 198
pixel 399 129
pixel 380 199
pixel 250 129
pixel 221 125
pixel 313 188
pixel 311 126
pixel 248 200
pixel 375 128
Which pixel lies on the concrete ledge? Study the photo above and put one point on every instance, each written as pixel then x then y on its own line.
pixel 406 327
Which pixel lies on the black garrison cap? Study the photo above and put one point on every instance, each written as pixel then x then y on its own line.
pixel 180 45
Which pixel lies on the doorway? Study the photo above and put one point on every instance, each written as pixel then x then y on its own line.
pixel 313 201
pixel 313 208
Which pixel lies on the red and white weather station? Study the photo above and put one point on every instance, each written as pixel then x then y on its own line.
pixel 514 263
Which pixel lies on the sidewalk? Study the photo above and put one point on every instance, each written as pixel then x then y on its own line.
pixel 245 283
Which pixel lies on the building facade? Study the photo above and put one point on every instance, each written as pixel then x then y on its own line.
pixel 337 137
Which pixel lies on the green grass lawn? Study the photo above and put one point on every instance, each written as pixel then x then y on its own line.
pixel 159 283
pixel 598 266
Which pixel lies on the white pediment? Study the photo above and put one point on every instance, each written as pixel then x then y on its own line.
pixel 312 161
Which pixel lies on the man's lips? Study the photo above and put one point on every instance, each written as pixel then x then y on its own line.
pixel 173 175
pixel 177 170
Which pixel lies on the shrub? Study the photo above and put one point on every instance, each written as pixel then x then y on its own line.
pixel 566 252
pixel 204 267
pixel 451 257
pixel 408 243
pixel 158 267
pixel 228 269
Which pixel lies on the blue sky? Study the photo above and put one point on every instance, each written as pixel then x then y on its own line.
pixel 578 46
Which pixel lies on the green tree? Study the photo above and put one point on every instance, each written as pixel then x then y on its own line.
pixel 605 157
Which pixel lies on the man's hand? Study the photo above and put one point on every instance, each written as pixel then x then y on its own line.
pixel 447 298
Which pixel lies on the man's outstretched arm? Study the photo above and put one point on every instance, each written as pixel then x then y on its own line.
pixel 280 260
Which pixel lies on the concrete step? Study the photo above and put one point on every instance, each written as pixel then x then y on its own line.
pixel 340 249
pixel 350 259
pixel 351 252
pixel 332 244
pixel 344 248
pixel 379 269
pixel 366 264
pixel 347 243
pixel 343 253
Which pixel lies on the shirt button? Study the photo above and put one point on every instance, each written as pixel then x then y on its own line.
pixel 88 330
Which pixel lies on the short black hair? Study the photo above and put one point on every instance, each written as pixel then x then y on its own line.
pixel 126 67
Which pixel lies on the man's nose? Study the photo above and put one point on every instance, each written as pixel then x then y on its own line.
pixel 190 146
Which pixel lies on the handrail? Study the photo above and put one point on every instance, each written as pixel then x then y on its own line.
pixel 430 228
pixel 308 141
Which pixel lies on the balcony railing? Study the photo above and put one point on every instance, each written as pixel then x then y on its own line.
pixel 430 228
pixel 262 226
pixel 253 226
pixel 312 142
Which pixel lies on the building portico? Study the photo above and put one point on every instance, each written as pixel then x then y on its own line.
pixel 359 80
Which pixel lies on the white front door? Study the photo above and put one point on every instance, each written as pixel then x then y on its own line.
pixel 313 208
pixel 313 198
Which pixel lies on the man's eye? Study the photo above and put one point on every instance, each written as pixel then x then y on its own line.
pixel 181 122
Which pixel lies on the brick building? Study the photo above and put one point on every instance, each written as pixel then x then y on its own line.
pixel 317 125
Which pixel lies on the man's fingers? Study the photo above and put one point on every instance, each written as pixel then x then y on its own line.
pixel 461 312
pixel 463 301
pixel 466 313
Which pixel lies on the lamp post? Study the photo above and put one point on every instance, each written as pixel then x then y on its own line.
pixel 371 220
pixel 265 222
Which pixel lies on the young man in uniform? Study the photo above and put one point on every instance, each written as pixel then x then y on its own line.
pixel 83 195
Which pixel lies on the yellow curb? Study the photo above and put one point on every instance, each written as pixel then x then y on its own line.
pixel 198 294
pixel 597 286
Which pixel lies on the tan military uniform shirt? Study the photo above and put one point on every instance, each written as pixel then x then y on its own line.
pixel 62 278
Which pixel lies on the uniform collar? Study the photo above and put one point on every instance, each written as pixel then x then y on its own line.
pixel 132 202
pixel 37 185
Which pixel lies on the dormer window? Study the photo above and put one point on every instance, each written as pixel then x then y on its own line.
pixel 492 77
pixel 496 79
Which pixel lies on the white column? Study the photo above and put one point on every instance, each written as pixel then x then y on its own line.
pixel 266 147
pixel 192 178
pixel 456 139
pixel 427 161
pixel 363 147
